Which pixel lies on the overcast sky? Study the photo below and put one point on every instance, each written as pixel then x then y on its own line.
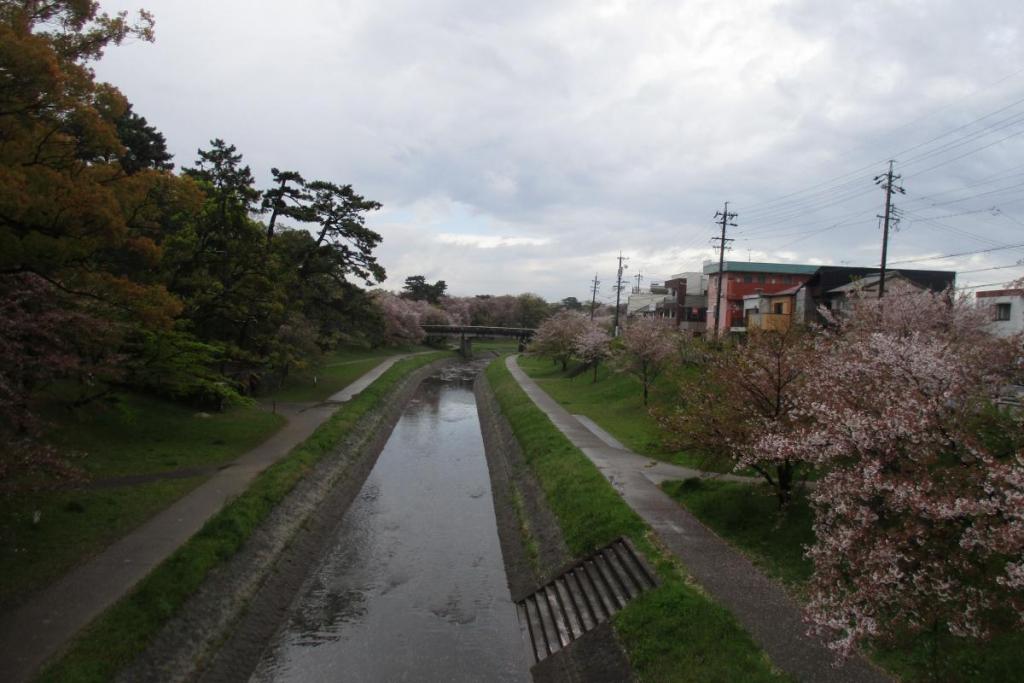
pixel 519 146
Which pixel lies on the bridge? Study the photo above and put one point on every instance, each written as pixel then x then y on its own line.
pixel 466 334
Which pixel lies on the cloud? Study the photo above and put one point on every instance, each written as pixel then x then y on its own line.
pixel 584 127
pixel 491 241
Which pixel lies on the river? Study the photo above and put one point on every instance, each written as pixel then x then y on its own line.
pixel 413 588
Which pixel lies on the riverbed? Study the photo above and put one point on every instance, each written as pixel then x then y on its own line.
pixel 413 587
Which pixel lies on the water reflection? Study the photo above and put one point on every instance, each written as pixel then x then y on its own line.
pixel 414 588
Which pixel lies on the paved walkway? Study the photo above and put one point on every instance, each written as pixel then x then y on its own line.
pixel 38 629
pixel 656 470
pixel 760 604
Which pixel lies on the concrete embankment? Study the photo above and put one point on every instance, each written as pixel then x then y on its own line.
pixel 221 630
pixel 535 550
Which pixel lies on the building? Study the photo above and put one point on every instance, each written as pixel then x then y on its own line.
pixel 1007 310
pixel 744 278
pixel 770 311
pixel 831 286
pixel 682 299
pixel 775 304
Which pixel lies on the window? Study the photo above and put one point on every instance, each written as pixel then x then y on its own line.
pixel 787 279
pixel 1002 311
pixel 777 309
pixel 760 278
pixel 748 278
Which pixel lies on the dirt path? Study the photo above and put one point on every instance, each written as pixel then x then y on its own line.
pixel 39 628
pixel 760 604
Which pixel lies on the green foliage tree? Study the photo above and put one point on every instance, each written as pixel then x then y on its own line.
pixel 115 271
pixel 144 145
pixel 532 310
pixel 571 303
pixel 418 289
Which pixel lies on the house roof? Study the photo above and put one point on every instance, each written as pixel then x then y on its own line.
pixel 756 267
pixel 829 277
pixel 787 292
pixel 1000 292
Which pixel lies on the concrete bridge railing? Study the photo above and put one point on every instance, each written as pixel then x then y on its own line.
pixel 467 333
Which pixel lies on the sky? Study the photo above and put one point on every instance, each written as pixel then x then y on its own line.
pixel 522 146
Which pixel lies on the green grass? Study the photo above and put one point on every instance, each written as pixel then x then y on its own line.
pixel 748 517
pixel 615 402
pixel 334 372
pixel 124 630
pixel 672 633
pixel 500 345
pixel 128 434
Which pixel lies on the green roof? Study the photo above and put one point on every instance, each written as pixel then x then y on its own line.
pixel 755 267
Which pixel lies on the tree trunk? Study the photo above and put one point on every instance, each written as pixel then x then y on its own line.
pixel 784 484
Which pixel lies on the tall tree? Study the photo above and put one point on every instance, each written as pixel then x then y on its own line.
pixel 741 393
pixel 288 198
pixel 648 348
pixel 144 145
pixel 918 517
pixel 532 310
pixel 418 289
pixel 343 245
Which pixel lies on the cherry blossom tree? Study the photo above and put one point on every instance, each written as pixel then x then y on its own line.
pixel 45 336
pixel 556 337
pixel 741 393
pixel 592 345
pixel 458 309
pixel 648 348
pixel 401 319
pixel 919 515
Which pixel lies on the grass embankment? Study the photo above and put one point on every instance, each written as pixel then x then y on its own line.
pixel 129 434
pixel 334 372
pixel 748 517
pixel 501 345
pixel 124 630
pixel 615 402
pixel 132 435
pixel 672 633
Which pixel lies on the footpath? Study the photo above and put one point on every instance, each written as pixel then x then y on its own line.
pixel 759 603
pixel 38 629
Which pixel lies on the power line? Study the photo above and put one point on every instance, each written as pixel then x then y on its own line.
pixel 757 207
pixel 987 284
pixel 1018 264
pixel 962 253
pixel 966 154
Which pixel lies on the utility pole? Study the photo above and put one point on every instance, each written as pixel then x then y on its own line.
pixel 593 295
pixel 638 277
pixel 618 291
pixel 723 243
pixel 887 181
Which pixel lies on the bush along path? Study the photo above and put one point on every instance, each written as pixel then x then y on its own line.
pixel 759 603
pixel 36 630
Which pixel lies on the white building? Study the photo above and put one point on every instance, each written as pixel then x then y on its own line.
pixel 1007 310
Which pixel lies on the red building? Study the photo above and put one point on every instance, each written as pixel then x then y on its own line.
pixel 744 278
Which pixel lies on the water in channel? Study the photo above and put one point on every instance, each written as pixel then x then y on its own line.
pixel 414 588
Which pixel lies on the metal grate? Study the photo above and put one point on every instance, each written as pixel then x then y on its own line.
pixel 586 594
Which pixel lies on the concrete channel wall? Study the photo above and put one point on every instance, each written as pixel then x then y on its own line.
pixel 523 515
pixel 221 631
